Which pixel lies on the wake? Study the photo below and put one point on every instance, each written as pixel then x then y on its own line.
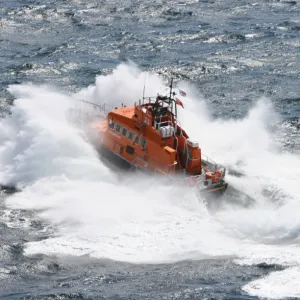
pixel 59 174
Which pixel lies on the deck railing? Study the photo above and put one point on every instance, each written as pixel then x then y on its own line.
pixel 212 166
pixel 85 112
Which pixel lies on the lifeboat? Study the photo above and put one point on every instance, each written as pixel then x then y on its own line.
pixel 147 137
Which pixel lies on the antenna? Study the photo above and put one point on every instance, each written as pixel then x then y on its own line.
pixel 171 86
pixel 144 87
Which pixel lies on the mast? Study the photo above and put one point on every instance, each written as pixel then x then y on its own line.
pixel 172 99
pixel 171 86
pixel 144 88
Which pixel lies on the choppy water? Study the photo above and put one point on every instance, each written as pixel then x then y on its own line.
pixel 75 230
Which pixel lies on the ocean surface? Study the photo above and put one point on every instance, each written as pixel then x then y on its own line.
pixel 75 229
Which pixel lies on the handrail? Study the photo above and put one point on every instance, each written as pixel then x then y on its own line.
pixel 210 162
pixel 158 124
pixel 190 180
pixel 80 115
pixel 102 107
pixel 135 163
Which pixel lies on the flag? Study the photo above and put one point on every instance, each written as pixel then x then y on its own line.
pixel 182 93
pixel 177 101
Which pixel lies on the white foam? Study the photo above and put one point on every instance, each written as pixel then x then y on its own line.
pixel 125 85
pixel 278 285
pixel 98 214
pixel 37 142
pixel 128 223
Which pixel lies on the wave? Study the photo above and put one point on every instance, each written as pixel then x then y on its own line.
pixel 135 219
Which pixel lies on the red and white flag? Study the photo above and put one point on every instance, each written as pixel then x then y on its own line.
pixel 182 93
pixel 177 101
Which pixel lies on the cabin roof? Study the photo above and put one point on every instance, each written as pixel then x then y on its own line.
pixel 126 112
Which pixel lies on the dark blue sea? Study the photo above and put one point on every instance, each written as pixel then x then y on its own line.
pixel 73 228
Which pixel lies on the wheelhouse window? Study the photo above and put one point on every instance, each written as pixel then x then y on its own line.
pixel 144 143
pixel 118 128
pixel 137 140
pixel 111 124
pixel 124 131
pixel 130 135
